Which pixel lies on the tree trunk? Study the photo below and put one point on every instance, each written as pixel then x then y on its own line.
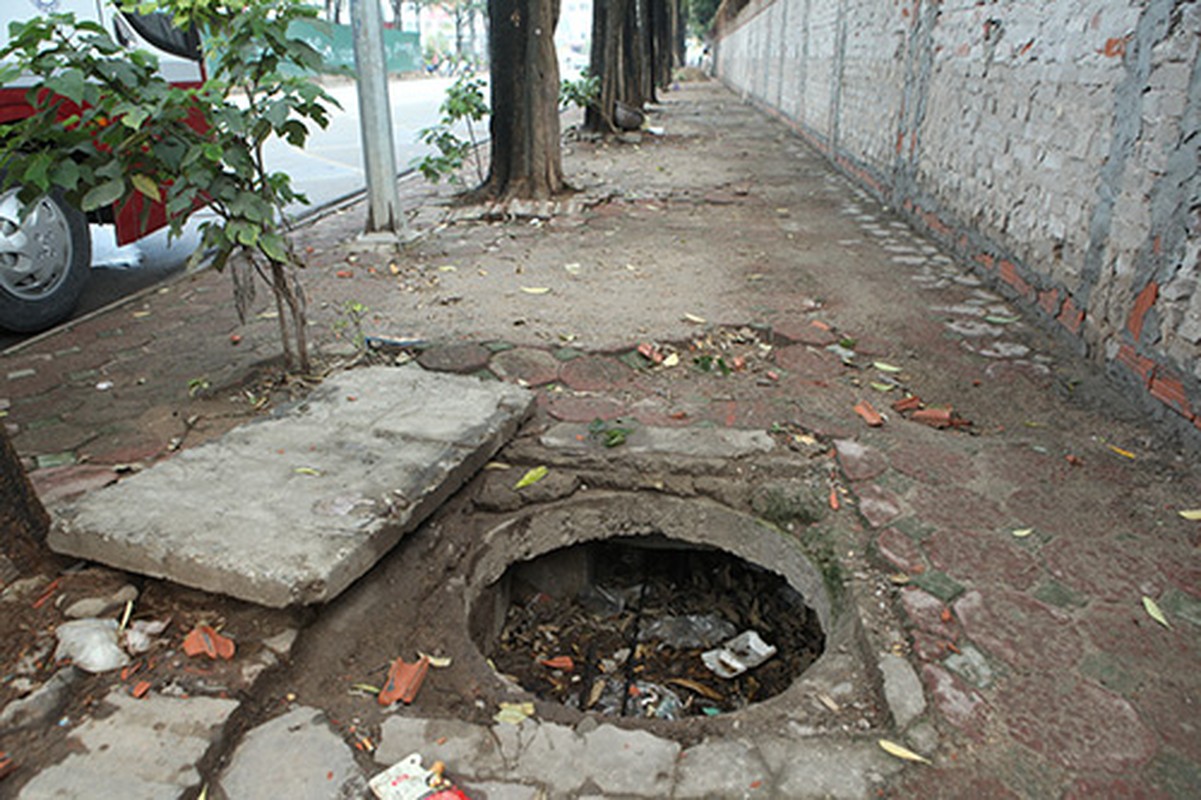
pixel 526 158
pixel 23 520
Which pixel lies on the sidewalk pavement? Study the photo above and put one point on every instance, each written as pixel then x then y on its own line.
pixel 1021 510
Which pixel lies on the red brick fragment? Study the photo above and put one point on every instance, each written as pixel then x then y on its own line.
pixel 1142 304
pixel 404 681
pixel 1170 391
pixel 1140 365
pixel 869 414
pixel 934 417
pixel 910 403
pixel 1048 301
pixel 1070 316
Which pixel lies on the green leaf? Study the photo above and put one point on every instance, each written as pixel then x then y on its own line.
pixel 1155 612
pixel 885 367
pixel 147 186
pixel 531 477
pixel 995 320
pixel 272 245
pixel 105 194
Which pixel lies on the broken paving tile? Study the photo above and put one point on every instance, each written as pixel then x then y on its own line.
pixel 635 360
pixel 914 528
pixel 1108 671
pixel 939 584
pixel 567 353
pixel 47 460
pixel 971 665
pixel 1179 605
pixel 1054 593
pixel 499 347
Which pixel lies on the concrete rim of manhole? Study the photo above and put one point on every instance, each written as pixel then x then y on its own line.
pixel 534 532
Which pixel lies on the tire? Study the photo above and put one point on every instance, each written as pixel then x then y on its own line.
pixel 45 261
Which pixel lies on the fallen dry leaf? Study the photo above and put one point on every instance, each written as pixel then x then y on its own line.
pixel 885 367
pixel 564 663
pixel 514 713
pixel 535 289
pixel 1193 514
pixel 531 477
pixel 694 319
pixel 894 749
pixel 1154 611
pixel 1022 533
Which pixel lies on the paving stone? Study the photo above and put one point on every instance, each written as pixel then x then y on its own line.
pixel 929 613
pixel 928 647
pixel 958 703
pixel 593 373
pixel 931 465
pixel 526 366
pixel 1077 724
pixel 270 531
pixel 1005 622
pixel 859 462
pixel 902 689
pixel 615 761
pixel 145 749
pixel 939 584
pixel 1054 593
pixel 467 749
pixel 982 558
pixel 1126 632
pixel 1182 606
pixel 971 665
pixel 462 358
pixel 877 505
pixel 296 756
pixel 900 551
pixel 955 508
pixel 721 769
pixel 823 768
pixel 953 784
pixel 572 408
pixel 1101 568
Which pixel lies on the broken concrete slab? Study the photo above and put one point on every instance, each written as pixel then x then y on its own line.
pixel 146 750
pixel 319 764
pixel 292 509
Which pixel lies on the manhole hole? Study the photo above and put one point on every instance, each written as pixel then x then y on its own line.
pixel 639 607
pixel 652 627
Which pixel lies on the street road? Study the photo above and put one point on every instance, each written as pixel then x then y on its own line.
pixel 328 169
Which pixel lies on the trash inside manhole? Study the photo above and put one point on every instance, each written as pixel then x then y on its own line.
pixel 651 627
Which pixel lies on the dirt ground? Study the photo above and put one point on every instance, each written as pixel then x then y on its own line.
pixel 721 261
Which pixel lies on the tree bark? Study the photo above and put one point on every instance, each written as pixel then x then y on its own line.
pixel 526 157
pixel 23 520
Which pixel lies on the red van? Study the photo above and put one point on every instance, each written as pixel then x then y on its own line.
pixel 46 253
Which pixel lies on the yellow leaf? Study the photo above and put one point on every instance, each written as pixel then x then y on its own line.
pixel 885 367
pixel 1193 514
pixel 146 185
pixel 307 471
pixel 1121 452
pixel 497 465
pixel 437 662
pixel 365 687
pixel 514 713
pixel 448 268
pixel 1154 611
pixel 535 289
pixel 693 318
pixel 1022 533
pixel 894 749
pixel 531 477
pixel 671 360
pixel 882 387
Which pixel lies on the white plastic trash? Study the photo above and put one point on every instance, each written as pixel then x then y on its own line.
pixel 91 644
pixel 745 651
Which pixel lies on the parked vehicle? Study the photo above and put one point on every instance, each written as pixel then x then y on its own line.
pixel 45 252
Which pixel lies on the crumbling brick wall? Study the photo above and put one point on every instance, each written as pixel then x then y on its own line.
pixel 1055 146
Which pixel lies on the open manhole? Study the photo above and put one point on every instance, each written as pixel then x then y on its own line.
pixel 630 607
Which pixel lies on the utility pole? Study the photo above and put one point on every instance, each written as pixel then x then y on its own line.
pixel 375 119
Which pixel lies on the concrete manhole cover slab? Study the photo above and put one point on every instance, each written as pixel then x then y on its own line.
pixel 294 508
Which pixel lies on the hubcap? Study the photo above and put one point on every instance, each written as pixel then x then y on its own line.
pixel 35 251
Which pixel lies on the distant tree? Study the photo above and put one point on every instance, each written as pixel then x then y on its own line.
pixel 700 16
pixel 526 158
pixel 634 52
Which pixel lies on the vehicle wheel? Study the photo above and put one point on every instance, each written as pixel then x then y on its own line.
pixel 45 260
